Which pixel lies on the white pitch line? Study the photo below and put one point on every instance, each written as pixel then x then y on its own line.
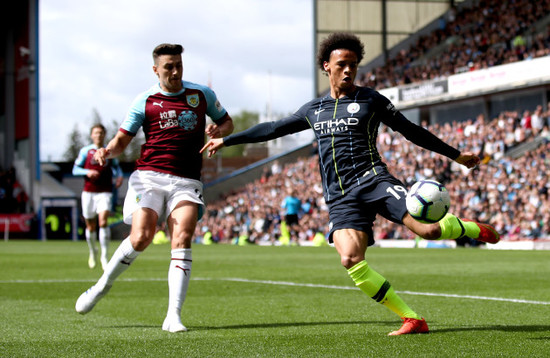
pixel 284 283
pixel 515 300
pixel 296 284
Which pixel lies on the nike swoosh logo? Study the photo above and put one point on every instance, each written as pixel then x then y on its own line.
pixel 319 111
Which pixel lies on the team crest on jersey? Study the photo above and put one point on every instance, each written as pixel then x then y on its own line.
pixel 187 120
pixel 193 100
pixel 353 108
pixel 138 198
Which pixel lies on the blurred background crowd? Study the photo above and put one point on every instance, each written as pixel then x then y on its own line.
pixel 493 33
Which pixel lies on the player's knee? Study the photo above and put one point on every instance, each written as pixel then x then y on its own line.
pixel 182 239
pixel 140 239
pixel 348 261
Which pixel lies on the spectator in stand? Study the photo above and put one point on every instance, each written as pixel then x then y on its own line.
pixel 537 120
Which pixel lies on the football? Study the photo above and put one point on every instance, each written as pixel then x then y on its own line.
pixel 428 201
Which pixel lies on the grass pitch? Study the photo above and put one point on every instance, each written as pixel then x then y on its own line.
pixel 275 302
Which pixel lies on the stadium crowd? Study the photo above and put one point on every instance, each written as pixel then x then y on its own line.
pixel 492 33
pixel 511 194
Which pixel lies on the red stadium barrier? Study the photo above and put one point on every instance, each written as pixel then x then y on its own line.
pixel 16 222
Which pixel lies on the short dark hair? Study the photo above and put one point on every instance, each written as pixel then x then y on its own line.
pixel 336 41
pixel 167 49
pixel 100 126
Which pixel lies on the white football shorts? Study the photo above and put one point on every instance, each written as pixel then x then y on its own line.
pixel 161 192
pixel 95 203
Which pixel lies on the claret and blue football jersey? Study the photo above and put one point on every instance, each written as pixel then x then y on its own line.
pixel 85 161
pixel 167 119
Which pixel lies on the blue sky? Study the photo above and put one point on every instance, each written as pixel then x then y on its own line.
pixel 97 55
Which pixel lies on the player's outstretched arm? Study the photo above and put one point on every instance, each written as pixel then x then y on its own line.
pixel 213 145
pixel 468 159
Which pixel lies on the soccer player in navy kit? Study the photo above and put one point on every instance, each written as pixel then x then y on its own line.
pixel 97 194
pixel 166 183
pixel 357 184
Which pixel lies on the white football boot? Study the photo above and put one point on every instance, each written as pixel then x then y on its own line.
pixel 92 259
pixel 104 262
pixel 88 299
pixel 173 324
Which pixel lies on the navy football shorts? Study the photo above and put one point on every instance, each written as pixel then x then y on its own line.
pixel 378 194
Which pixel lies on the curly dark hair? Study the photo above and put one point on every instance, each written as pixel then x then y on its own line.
pixel 339 40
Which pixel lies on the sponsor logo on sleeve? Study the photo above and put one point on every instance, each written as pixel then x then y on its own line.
pixel 218 106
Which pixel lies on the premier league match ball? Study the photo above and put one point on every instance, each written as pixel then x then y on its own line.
pixel 428 201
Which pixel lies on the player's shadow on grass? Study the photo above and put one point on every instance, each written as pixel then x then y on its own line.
pixel 290 324
pixel 263 325
pixel 503 328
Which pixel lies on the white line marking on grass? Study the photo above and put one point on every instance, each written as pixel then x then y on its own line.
pixel 515 300
pixel 281 283
pixel 296 284
pixel 450 295
pixel 83 280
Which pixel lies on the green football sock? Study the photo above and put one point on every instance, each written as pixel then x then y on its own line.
pixel 379 289
pixel 454 228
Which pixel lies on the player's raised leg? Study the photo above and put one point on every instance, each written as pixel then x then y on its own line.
pixel 452 228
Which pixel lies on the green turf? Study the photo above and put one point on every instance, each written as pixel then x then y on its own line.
pixel 237 305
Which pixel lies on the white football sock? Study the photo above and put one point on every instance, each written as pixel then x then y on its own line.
pixel 179 275
pixel 91 238
pixel 121 260
pixel 104 239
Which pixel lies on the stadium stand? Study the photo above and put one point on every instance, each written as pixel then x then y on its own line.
pixel 492 33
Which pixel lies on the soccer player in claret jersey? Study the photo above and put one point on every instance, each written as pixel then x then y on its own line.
pixel 166 183
pixel 357 184
pixel 97 194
